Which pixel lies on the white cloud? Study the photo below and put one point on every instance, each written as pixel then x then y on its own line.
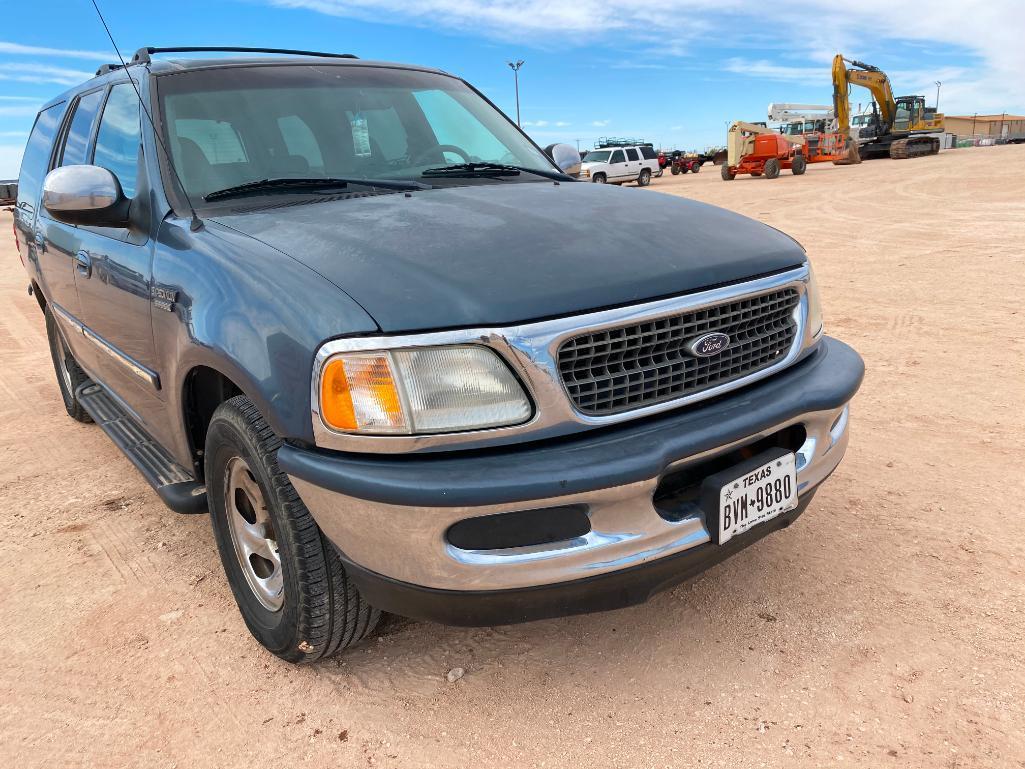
pixel 806 33
pixel 600 123
pixel 561 124
pixel 42 73
pixel 22 110
pixel 21 98
pixel 10 160
pixel 535 123
pixel 61 53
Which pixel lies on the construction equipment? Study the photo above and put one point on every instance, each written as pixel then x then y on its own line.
pixel 796 119
pixel 758 150
pixel 901 127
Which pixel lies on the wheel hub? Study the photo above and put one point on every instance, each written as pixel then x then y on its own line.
pixel 252 534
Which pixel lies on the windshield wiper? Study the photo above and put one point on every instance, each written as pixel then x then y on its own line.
pixel 491 169
pixel 310 184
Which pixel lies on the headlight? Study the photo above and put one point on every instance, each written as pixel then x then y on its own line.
pixel 585 171
pixel 814 305
pixel 423 390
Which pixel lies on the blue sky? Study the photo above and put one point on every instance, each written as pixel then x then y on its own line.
pixel 674 72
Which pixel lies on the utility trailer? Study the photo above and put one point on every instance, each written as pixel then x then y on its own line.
pixel 8 192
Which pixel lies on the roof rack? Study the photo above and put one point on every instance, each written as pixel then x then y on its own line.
pixel 104 69
pixel 142 56
pixel 613 141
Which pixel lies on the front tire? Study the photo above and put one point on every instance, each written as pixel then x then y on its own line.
pixel 69 373
pixel 599 179
pixel 696 167
pixel 727 175
pixel 772 168
pixel 645 177
pixel 799 165
pixel 287 579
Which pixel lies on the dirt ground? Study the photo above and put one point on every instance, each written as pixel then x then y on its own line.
pixel 886 628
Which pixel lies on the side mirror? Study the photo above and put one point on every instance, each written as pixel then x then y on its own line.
pixel 85 195
pixel 565 157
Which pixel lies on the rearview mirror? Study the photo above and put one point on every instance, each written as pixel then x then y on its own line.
pixel 85 195
pixel 565 157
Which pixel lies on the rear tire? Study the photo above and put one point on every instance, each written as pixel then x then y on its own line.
pixel 727 175
pixel 644 179
pixel 599 179
pixel 696 167
pixel 288 580
pixel 799 166
pixel 772 168
pixel 675 169
pixel 69 373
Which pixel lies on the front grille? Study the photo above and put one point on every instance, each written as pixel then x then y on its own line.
pixel 619 369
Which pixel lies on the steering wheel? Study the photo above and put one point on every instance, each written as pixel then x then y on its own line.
pixel 440 148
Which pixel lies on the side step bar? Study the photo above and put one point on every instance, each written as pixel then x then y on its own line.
pixel 175 485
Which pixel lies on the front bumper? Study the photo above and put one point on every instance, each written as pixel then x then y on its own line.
pixel 389 515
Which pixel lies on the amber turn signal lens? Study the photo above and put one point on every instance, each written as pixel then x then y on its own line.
pixel 335 399
pixel 358 392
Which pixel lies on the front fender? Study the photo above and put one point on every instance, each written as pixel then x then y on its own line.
pixel 242 308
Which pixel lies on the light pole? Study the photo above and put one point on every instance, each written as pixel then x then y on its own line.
pixel 516 74
pixel 938 84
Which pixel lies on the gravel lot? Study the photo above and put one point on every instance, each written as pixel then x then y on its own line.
pixel 884 629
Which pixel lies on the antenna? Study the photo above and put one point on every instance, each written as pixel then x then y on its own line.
pixel 197 223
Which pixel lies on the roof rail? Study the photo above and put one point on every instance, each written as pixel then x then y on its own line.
pixel 142 56
pixel 105 68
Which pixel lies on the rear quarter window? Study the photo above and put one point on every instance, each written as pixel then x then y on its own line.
pixel 648 153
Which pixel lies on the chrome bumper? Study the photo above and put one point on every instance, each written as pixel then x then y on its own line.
pixel 407 543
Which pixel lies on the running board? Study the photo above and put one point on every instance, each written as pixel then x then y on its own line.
pixel 175 485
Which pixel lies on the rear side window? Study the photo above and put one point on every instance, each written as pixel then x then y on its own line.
pixel 76 145
pixel 36 160
pixel 217 140
pixel 631 154
pixel 118 139
pixel 648 153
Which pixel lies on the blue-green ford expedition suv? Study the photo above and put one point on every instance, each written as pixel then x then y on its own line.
pixel 403 359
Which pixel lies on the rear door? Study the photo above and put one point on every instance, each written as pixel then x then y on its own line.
pixel 53 270
pixel 633 163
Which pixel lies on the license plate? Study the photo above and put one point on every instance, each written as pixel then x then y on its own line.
pixel 756 495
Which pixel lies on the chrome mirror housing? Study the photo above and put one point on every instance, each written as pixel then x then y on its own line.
pixel 85 195
pixel 565 157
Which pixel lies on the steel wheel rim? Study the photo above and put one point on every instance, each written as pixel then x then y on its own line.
pixel 253 535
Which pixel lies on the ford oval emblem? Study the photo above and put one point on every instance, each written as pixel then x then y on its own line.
pixel 707 345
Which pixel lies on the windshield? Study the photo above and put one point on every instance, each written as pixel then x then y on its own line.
pixel 231 126
pixel 597 156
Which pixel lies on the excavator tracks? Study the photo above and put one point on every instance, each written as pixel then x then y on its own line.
pixel 914 147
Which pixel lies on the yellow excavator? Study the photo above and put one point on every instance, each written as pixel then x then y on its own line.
pixel 901 127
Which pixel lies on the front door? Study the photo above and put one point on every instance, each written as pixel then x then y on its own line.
pixel 617 166
pixel 113 273
pixel 57 244
pixel 112 265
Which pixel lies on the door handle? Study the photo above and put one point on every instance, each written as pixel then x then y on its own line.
pixel 39 241
pixel 84 264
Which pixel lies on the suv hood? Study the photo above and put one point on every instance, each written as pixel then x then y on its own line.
pixel 499 254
